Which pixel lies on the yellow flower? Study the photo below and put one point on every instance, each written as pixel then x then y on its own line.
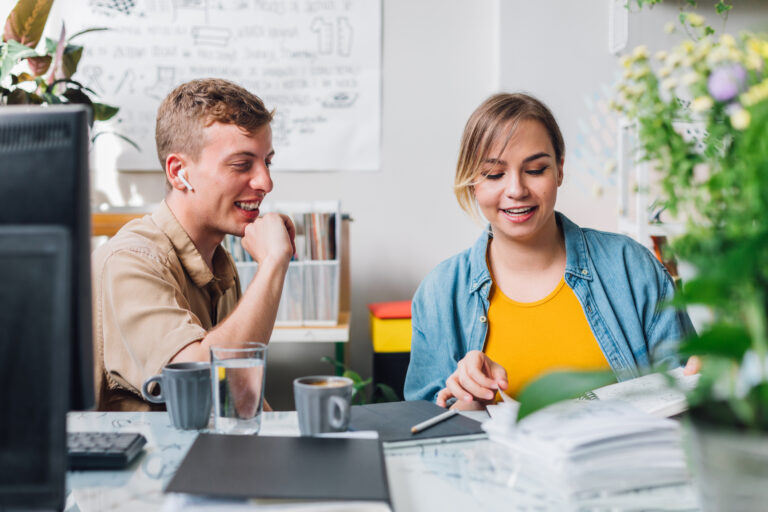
pixel 627 74
pixel 740 119
pixel 640 52
pixel 755 94
pixel 687 46
pixel 695 20
pixel 669 27
pixel 661 55
pixel 727 40
pixel 753 62
pixel 625 61
pixel 701 104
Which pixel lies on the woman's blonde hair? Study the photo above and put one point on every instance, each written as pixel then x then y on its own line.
pixel 491 120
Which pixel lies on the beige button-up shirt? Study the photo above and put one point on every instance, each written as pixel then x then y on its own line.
pixel 153 294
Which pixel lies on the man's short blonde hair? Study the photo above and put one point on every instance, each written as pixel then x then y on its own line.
pixel 195 105
pixel 497 116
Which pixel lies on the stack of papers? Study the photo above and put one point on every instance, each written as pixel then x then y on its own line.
pixel 592 448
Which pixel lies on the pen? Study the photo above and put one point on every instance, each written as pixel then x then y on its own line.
pixel 433 421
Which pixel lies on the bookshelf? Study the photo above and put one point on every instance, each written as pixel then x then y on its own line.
pixel 335 330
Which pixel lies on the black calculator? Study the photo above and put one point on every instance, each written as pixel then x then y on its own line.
pixel 103 450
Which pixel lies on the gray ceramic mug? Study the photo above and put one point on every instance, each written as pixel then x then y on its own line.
pixel 186 390
pixel 322 403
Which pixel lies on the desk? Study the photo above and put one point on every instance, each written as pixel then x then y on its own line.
pixel 454 476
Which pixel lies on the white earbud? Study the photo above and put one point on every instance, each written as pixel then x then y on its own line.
pixel 183 177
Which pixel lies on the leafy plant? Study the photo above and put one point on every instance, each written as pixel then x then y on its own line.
pixel 37 77
pixel 359 395
pixel 721 182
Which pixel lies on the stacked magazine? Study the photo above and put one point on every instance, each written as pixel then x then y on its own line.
pixel 590 449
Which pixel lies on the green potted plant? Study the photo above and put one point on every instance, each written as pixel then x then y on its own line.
pixel 719 184
pixel 44 76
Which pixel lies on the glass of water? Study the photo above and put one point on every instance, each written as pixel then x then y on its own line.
pixel 237 379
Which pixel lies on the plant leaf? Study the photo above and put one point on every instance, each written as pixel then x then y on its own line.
pixel 10 55
pixel 71 59
pixel 730 341
pixel 118 135
pixel 87 30
pixel 18 97
pixel 57 70
pixel 354 376
pixel 39 65
pixel 386 394
pixel 78 96
pixel 337 364
pixel 26 21
pixel 103 112
pixel 558 386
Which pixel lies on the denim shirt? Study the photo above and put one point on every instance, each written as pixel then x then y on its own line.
pixel 617 281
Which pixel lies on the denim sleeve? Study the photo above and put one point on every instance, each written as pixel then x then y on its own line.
pixel 425 376
pixel 669 326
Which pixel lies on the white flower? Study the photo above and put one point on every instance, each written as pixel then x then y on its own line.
pixel 665 71
pixel 597 190
pixel 669 27
pixel 661 55
pixel 689 79
pixel 702 103
pixel 640 52
pixel 669 83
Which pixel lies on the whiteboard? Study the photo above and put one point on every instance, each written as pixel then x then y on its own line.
pixel 316 62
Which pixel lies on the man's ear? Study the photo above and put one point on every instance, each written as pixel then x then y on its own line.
pixel 173 164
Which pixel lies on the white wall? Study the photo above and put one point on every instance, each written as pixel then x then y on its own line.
pixel 441 58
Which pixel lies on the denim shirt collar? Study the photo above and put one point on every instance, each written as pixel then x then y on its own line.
pixel 576 260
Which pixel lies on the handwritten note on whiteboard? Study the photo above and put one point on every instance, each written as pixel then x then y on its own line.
pixel 316 62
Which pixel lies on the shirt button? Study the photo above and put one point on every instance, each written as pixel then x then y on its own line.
pixel 584 271
pixel 483 319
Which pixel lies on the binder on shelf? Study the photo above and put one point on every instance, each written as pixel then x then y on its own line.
pixel 311 289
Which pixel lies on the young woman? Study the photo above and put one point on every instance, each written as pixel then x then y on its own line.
pixel 536 292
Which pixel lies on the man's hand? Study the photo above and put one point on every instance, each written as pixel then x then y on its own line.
pixel 476 378
pixel 270 237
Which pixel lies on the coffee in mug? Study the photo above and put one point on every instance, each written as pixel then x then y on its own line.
pixel 322 403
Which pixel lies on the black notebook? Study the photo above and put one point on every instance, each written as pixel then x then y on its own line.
pixel 291 468
pixel 393 422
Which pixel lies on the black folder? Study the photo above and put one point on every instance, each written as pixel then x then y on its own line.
pixel 292 468
pixel 393 422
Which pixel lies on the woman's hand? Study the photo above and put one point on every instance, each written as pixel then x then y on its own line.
pixel 476 378
pixel 693 366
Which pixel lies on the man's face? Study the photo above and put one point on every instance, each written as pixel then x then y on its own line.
pixel 230 179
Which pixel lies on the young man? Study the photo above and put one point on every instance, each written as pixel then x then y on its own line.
pixel 164 289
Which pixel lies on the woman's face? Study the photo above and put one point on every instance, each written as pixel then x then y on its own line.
pixel 517 186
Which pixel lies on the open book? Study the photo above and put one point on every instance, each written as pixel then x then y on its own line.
pixel 650 393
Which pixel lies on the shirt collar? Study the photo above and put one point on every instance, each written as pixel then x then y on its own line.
pixel 190 257
pixel 576 261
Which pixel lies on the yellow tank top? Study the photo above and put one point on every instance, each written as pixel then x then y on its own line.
pixel 529 339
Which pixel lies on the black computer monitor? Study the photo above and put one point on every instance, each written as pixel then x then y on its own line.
pixel 46 362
